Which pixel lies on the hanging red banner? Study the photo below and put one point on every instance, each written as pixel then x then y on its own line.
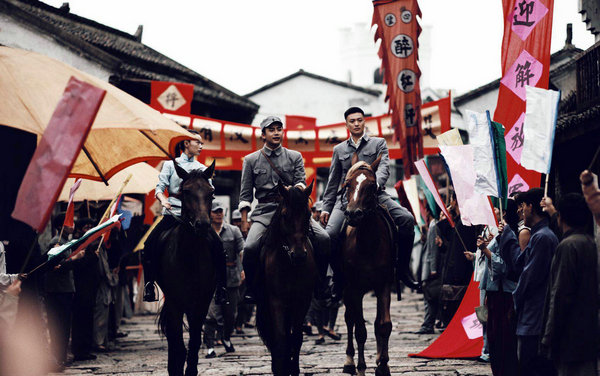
pixel 399 30
pixel 525 62
pixel 171 97
pixel 436 120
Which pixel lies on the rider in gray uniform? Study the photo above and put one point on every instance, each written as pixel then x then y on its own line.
pixel 334 204
pixel 260 177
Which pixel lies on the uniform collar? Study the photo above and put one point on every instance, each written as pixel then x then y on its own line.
pixel 364 137
pixel 277 151
pixel 184 158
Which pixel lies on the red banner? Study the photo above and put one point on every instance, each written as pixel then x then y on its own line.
pixel 171 97
pixel 55 154
pixel 435 121
pixel 299 123
pixel 525 62
pixel 398 29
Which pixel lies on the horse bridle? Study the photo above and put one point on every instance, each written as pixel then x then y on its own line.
pixel 182 222
pixel 344 188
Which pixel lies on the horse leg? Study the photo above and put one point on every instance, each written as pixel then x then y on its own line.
pixel 349 366
pixel 383 329
pixel 280 354
pixel 174 332
pixel 296 344
pixel 195 320
pixel 361 335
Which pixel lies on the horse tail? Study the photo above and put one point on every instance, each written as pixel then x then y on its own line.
pixel 162 319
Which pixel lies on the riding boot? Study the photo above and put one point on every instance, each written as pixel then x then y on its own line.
pixel 149 290
pixel 251 261
pixel 403 253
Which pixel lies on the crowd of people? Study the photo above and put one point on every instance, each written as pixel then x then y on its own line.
pixel 537 270
pixel 538 280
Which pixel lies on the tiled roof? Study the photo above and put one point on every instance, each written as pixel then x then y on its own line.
pixel 132 58
pixel 302 72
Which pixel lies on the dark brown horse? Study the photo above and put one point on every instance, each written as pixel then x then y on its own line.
pixel 287 280
pixel 186 274
pixel 367 264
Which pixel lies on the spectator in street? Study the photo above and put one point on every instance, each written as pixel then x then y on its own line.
pixel 104 299
pixel 86 278
pixel 431 281
pixel 316 210
pixel 499 286
pixel 10 288
pixel 458 271
pixel 221 318
pixel 533 266
pixel 569 334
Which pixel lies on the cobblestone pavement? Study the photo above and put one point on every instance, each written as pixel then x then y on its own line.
pixel 143 352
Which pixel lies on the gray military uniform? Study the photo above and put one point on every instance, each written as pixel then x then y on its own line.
pixel 369 148
pixel 259 180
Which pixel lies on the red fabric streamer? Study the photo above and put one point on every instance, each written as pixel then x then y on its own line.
pixel 398 29
pixel 454 342
pixel 525 62
pixel 56 153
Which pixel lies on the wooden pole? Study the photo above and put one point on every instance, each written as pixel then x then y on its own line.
pixel 546 187
pixel 107 211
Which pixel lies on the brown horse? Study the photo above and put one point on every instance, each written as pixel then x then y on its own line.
pixel 186 274
pixel 367 264
pixel 287 280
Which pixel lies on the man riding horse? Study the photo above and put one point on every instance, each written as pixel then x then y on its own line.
pixel 170 180
pixel 334 201
pixel 262 171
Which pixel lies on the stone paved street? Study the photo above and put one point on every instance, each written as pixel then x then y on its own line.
pixel 143 352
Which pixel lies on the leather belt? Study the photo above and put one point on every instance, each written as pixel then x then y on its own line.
pixel 269 199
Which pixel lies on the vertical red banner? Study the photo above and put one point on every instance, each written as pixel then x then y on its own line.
pixel 525 62
pixel 399 30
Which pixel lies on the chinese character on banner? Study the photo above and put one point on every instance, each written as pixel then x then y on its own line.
pixel 398 29
pixel 171 97
pixel 525 62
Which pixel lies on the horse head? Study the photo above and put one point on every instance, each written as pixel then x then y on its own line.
pixel 361 189
pixel 196 195
pixel 294 218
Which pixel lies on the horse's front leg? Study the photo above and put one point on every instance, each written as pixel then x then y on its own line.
pixel 361 335
pixel 174 333
pixel 296 345
pixel 280 354
pixel 349 366
pixel 383 329
pixel 195 321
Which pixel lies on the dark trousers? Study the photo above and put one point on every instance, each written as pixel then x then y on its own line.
pixel 501 333
pixel 530 362
pixel 244 313
pixel 221 318
pixel 59 305
pixel 431 297
pixel 83 324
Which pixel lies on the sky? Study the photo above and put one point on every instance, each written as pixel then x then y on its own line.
pixel 243 45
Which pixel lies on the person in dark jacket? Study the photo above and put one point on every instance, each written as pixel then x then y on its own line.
pixel 532 264
pixel 569 336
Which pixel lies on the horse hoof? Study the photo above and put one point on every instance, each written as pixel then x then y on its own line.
pixel 382 370
pixel 350 369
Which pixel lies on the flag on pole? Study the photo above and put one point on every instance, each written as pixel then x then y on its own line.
pixel 474 207
pixel 399 29
pixel 538 130
pixel 483 154
pixel 70 214
pixel 428 180
pixel 499 143
pixel 56 152
pixel 92 234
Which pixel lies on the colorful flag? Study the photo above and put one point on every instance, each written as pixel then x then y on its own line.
pixel 56 152
pixel 399 30
pixel 525 62
pixel 428 180
pixel 70 214
pixel 172 97
pixel 478 127
pixel 499 144
pixel 538 132
pixel 474 207
pixel 452 137
pixel 86 239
